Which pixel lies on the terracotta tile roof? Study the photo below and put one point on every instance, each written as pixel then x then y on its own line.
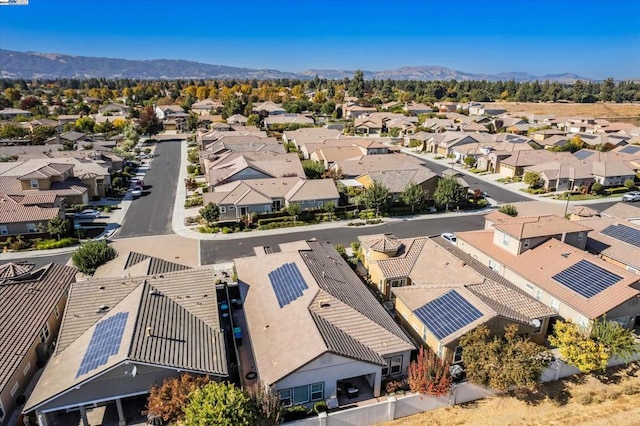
pixel 385 244
pixel 10 271
pixel 336 313
pixel 583 211
pixel 12 211
pixel 403 263
pixel 598 243
pixel 622 211
pixel 541 263
pixel 397 180
pixel 40 290
pixel 313 189
pixel 47 171
pixel 538 226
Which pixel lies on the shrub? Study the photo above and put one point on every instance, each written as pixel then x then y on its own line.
pixel 168 400
pixel 194 169
pixel 482 203
pixel 428 375
pixel 227 230
pixel 320 407
pixel 613 191
pixel 414 143
pixel 275 220
pixel 395 385
pixel 629 183
pixel 53 244
pixel 193 202
pixel 208 229
pixel 509 209
pixel 596 188
pixel 296 412
pixel 219 404
pixel 90 255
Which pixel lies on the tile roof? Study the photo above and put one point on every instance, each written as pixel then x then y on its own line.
pixel 313 189
pixel 540 264
pixel 397 180
pixel 385 243
pixel 405 260
pixel 376 163
pixel 336 313
pixel 180 308
pixel 530 158
pixel 15 212
pixel 622 211
pixel 40 290
pixel 538 226
pixel 153 265
pixel 600 243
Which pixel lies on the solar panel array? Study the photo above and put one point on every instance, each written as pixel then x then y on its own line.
pixel 104 343
pixel 287 283
pixel 623 233
pixel 586 279
pixel 447 314
pixel 630 149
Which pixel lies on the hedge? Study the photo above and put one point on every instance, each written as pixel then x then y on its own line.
pixel 53 244
pixel 620 190
pixel 276 225
pixel 275 220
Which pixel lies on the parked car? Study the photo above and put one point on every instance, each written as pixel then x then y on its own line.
pixel 138 183
pixel 87 214
pixel 137 192
pixel 450 237
pixel 631 196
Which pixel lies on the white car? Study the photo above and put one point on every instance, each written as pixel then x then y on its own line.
pixel 136 192
pixel 87 214
pixel 450 237
pixel 631 196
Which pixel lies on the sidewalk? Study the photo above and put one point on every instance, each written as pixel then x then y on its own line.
pixel 179 215
pixel 492 178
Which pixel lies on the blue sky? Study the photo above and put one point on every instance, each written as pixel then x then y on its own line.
pixel 595 39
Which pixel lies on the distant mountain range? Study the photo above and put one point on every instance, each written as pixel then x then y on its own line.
pixel 31 65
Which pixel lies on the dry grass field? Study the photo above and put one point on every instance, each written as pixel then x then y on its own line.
pixel 598 110
pixel 583 400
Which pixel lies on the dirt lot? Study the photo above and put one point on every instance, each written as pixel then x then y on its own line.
pixel 597 110
pixel 585 400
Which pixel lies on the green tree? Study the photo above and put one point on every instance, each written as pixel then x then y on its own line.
pixel 219 404
pixel 619 341
pixel 57 226
pixel 606 90
pixel 509 209
pixel 629 183
pixel 376 196
pixel 210 213
pixel 12 131
pixel 330 207
pixel 12 94
pixel 578 348
pixel 253 120
pixel 448 192
pixel 169 399
pixel 531 178
pixel 84 125
pixel 356 86
pixel 293 209
pixel 92 254
pixel 502 362
pixel 469 161
pixel 192 121
pixel 149 122
pixel 312 169
pixel 413 195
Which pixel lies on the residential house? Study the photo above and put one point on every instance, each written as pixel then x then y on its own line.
pixel 563 176
pixel 446 106
pixel 309 134
pixel 120 336
pixel 545 257
pixel 351 169
pixel 354 111
pixel 286 119
pixel 396 181
pixel 515 164
pixel 255 196
pixel 114 109
pixel 624 211
pixel 205 106
pixel 345 341
pixel 234 166
pixel 415 108
pixel 331 154
pixel 72 138
pixel 31 305
pixel 615 241
pixel 68 118
pixel 166 112
pixel 237 119
pixel 13 113
pixel 42 122
pixel 268 108
pixel 29 213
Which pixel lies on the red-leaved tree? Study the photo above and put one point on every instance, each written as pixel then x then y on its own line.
pixel 428 375
pixel 169 399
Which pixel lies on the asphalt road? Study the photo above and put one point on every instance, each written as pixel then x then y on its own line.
pixel 151 213
pixel 212 251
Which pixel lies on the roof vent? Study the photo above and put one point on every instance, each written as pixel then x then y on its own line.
pixel 566 254
pixel 154 292
pixel 101 288
pixel 102 309
pixel 148 332
pixel 325 304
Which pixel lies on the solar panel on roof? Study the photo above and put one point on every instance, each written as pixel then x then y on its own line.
pixel 630 149
pixel 104 342
pixel 287 283
pixel 586 279
pixel 623 233
pixel 581 155
pixel 447 314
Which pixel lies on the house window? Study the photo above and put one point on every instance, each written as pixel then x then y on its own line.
pixel 223 209
pixel 582 321
pixel 34 183
pixel 26 369
pixel 555 304
pixel 56 311
pixel 4 230
pixel 440 350
pixel 539 295
pixel 317 391
pixel 530 287
pixel 320 204
pixel 285 397
pixel 267 209
pixel 494 265
pixel 44 333
pixel 31 227
pixel 505 240
pixel 394 366
pixel 231 207
pixel 457 355
pixel 300 395
pixel 14 389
